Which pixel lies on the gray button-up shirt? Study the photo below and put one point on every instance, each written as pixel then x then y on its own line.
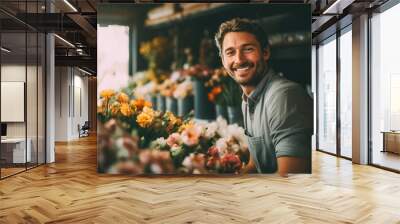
pixel 278 118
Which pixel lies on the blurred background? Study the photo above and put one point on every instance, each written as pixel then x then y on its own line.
pixel 189 28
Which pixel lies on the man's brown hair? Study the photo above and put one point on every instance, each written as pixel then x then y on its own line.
pixel 241 25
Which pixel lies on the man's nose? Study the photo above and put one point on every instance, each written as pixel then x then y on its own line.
pixel 239 57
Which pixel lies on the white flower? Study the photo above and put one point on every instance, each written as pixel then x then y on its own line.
pixel 175 76
pixel 145 90
pixel 221 146
pixel 183 89
pixel 155 168
pixel 187 162
pixel 222 126
pixel 122 151
pixel 161 141
pixel 194 161
pixel 175 148
pixel 211 130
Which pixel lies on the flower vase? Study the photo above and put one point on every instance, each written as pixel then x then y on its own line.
pixel 153 100
pixel 203 108
pixel 171 105
pixel 235 115
pixel 221 111
pixel 185 105
pixel 160 102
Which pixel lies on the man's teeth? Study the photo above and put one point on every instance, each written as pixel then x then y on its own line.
pixel 242 69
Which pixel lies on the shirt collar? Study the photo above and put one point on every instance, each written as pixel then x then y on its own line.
pixel 254 96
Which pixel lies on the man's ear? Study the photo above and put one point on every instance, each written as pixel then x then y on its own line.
pixel 266 54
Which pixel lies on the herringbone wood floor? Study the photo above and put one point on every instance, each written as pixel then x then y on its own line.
pixel 70 191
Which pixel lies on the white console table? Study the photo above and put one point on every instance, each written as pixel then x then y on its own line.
pixel 17 145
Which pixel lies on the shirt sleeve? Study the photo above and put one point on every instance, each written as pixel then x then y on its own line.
pixel 290 117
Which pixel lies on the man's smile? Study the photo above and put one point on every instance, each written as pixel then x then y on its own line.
pixel 242 69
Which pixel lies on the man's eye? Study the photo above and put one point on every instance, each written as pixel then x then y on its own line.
pixel 248 49
pixel 229 53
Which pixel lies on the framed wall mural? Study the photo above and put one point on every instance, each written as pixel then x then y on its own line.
pixel 204 88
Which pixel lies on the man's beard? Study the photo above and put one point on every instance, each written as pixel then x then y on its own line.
pixel 261 67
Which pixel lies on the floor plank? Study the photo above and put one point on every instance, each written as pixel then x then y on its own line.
pixel 71 191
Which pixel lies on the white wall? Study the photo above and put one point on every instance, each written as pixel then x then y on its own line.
pixel 33 127
pixel 61 103
pixel 13 73
pixel 71 94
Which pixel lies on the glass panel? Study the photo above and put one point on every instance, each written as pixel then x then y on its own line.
pixel 314 88
pixel 346 94
pixel 327 96
pixel 13 86
pixel 41 99
pixel 385 84
pixel 31 97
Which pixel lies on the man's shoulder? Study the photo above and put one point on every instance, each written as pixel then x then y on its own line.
pixel 282 87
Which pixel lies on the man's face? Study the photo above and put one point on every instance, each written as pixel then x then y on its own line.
pixel 243 58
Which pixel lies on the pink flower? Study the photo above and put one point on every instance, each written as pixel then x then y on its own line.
pixel 213 162
pixel 213 151
pixel 231 163
pixel 191 135
pixel 173 139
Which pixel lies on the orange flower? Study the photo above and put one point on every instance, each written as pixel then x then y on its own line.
pixel 144 120
pixel 141 103
pixel 186 126
pixel 173 121
pixel 216 90
pixel 123 98
pixel 211 97
pixel 126 109
pixel 107 94
pixel 115 108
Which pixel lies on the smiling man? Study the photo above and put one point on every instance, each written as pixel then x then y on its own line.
pixel 278 113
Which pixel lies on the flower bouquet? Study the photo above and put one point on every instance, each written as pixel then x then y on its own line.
pixel 121 154
pixel 206 148
pixel 136 115
pixel 135 139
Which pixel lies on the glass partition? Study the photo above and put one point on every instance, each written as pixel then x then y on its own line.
pixel 327 95
pixel 346 93
pixel 22 92
pixel 385 89
pixel 14 151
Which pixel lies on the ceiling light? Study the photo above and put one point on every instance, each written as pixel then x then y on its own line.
pixel 337 7
pixel 64 40
pixel 329 9
pixel 86 72
pixel 5 50
pixel 70 5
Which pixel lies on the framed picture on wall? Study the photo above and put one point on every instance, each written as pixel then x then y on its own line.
pixel 173 80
